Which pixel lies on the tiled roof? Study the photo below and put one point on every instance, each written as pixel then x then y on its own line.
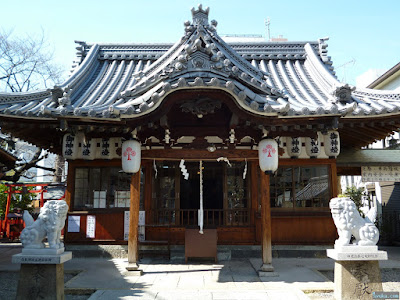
pixel 315 187
pixel 286 79
pixel 368 157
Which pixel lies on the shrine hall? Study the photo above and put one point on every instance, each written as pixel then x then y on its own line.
pixel 232 143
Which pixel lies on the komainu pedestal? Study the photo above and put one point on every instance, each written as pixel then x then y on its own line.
pixel 357 279
pixel 42 265
pixel 357 273
pixel 41 276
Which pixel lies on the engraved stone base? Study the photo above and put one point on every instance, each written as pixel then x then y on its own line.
pixel 357 279
pixel 23 258
pixel 41 276
pixel 353 252
pixel 41 281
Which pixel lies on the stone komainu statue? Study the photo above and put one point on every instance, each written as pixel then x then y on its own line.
pixel 349 222
pixel 50 222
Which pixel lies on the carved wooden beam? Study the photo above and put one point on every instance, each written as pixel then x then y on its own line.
pixel 194 154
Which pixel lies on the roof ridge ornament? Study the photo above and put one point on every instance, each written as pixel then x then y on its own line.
pixel 200 16
pixel 342 93
pixel 201 59
pixel 323 52
pixel 200 21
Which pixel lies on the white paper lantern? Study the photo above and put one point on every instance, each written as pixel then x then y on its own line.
pixel 115 144
pixel 108 148
pixel 103 151
pixel 313 146
pixel 332 143
pixel 294 146
pixel 268 155
pixel 131 156
pixel 89 147
pixel 70 146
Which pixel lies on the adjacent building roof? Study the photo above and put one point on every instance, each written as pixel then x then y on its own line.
pixel 369 157
pixel 388 79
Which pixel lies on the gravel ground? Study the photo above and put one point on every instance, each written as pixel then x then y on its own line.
pixel 9 282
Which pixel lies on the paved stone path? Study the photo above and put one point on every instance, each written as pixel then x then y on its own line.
pixel 236 279
pixel 165 280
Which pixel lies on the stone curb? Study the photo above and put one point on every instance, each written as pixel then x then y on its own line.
pixel 79 291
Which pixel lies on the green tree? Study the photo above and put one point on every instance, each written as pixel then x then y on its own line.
pixel 22 201
pixel 356 194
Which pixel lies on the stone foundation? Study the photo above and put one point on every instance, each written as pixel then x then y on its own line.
pixel 357 273
pixel 41 281
pixel 357 279
pixel 41 276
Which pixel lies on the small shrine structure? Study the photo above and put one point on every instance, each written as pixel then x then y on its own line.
pixel 203 99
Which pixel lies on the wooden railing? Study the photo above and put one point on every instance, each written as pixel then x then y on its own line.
pixel 212 217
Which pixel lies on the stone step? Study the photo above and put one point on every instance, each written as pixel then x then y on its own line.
pixel 177 252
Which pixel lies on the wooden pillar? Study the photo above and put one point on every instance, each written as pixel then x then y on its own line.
pixel 254 190
pixel 335 181
pixel 148 182
pixel 266 224
pixel 70 187
pixel 133 223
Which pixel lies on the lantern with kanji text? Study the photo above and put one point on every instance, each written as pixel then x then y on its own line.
pixel 332 143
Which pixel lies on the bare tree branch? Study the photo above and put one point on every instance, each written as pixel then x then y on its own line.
pixel 21 168
pixel 26 63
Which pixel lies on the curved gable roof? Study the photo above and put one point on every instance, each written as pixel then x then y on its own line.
pixel 118 81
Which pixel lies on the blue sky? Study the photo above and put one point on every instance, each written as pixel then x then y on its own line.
pixel 364 31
